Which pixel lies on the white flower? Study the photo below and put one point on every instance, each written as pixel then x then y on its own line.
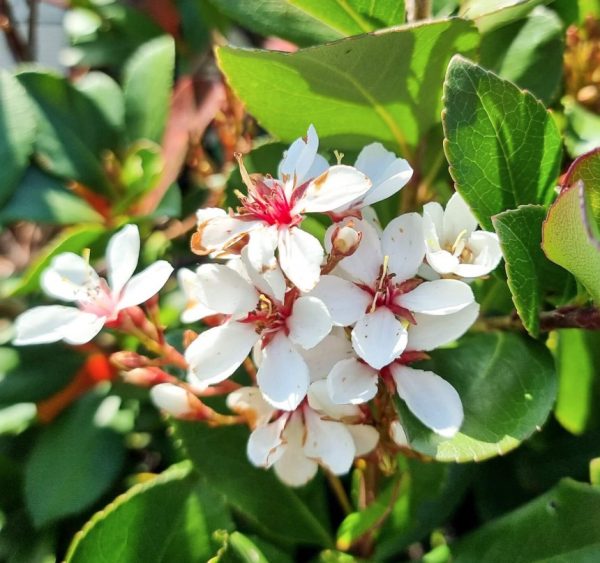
pixel 272 211
pixel 453 246
pixel 317 433
pixel 386 303
pixel 70 278
pixel 194 310
pixel 282 323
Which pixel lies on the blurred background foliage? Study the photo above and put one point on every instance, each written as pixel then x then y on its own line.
pixel 141 126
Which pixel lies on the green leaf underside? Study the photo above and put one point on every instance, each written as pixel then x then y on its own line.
pixel 147 85
pixel 587 169
pixel 219 455
pixel 72 463
pixel 379 87
pixel 502 146
pixel 169 518
pixel 529 271
pixel 578 366
pixel 353 17
pixel 570 237
pixel 507 385
pixel 17 133
pixel 559 526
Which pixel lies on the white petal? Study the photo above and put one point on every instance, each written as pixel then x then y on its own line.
pixel 432 331
pixel 458 217
pixel 69 278
pixel 300 256
pixel 219 230
pixel 438 297
pixel 402 241
pixel 397 433
pixel 145 285
pixel 42 325
pixel 299 158
pixel 309 322
pixel 321 359
pixel 433 224
pixel 271 281
pixel 352 382
pixel 365 438
pixel 264 445
pixel 122 255
pixel 249 402
pixel 294 468
pixel 365 263
pixel 379 338
pixel 171 398
pixel 332 190
pixel 222 289
pixel 373 160
pixel 486 255
pixel 345 301
pixel 216 353
pixel 261 248
pixel 370 216
pixel 430 398
pixel 194 310
pixel 283 375
pixel 329 442
pixel 319 400
pixel 442 261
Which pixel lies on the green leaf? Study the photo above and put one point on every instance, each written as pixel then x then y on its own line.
pixel 507 385
pixel 219 454
pixel 491 14
pixel 570 237
pixel 353 17
pixel 73 134
pixel 561 525
pixel 17 133
pixel 169 518
pixel 530 273
pixel 147 86
pixel 279 18
pixel 141 170
pixel 73 462
pixel 106 95
pixel 582 133
pixel 379 87
pixel 578 364
pixel 42 198
pixel 22 380
pixel 528 52
pixel 72 239
pixel 502 146
pixel 587 169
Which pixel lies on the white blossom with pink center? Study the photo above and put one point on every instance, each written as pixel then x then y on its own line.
pixel 273 209
pixel 98 301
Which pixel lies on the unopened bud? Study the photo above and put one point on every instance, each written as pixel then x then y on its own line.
pixel 175 400
pixel 147 377
pixel 126 360
pixel 345 240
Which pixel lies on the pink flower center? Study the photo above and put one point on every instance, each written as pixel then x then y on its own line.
pixel 99 301
pixel 268 203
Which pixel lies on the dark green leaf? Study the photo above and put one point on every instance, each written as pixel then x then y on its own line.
pixel 529 272
pixel 17 133
pixel 219 455
pixel 561 525
pixel 503 147
pixel 507 385
pixel 73 462
pixel 378 87
pixel 106 95
pixel 73 134
pixel 42 198
pixel 147 85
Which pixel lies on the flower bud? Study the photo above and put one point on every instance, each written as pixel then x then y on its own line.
pixel 147 376
pixel 174 400
pixel 127 360
pixel 345 240
pixel 397 434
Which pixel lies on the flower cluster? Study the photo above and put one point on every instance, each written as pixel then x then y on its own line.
pixel 331 325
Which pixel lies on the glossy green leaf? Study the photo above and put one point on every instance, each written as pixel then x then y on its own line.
pixel 560 526
pixel 507 385
pixel 571 237
pixel 492 14
pixel 219 455
pixel 528 52
pixel 353 17
pixel 42 198
pixel 169 518
pixel 502 146
pixel 279 18
pixel 241 548
pixel 106 95
pixel 73 134
pixel 582 133
pixel 73 462
pixel 22 380
pixel 578 366
pixel 17 133
pixel 530 273
pixel 147 85
pixel 380 87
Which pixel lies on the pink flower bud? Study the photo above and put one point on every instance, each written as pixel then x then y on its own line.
pixel 345 240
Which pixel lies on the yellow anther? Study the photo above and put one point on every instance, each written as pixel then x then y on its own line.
pixel 267 302
pixel 85 254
